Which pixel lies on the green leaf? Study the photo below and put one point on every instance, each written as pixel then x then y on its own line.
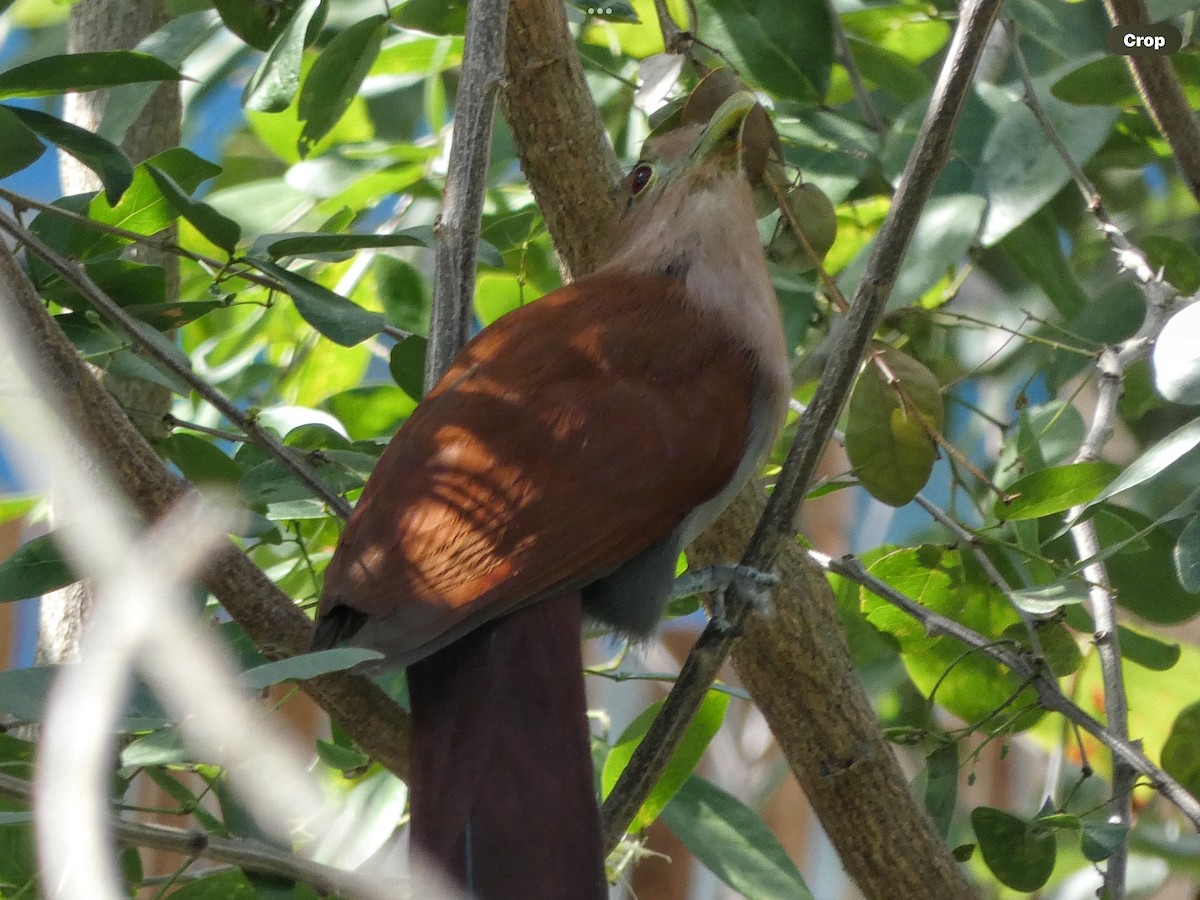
pixel 23 694
pixel 143 208
pixel 1099 840
pixel 1019 854
pixel 407 365
pixel 33 569
pixel 1035 248
pixel 1179 262
pixel 968 684
pixel 733 842
pixel 14 507
pixel 319 245
pixel 1181 752
pixel 102 157
pixel 785 47
pixel 887 431
pixel 1018 170
pixel 223 232
pixel 338 757
pixel 306 666
pixel 19 147
pixel 696 738
pixel 277 78
pixel 1047 598
pixel 1106 82
pixel 1154 461
pixel 1054 490
pixel 258 24
pixel 331 314
pixel 228 885
pixel 1142 571
pixel 1146 650
pixel 83 72
pixel 941 785
pixel 334 79
pixel 164 747
pixel 403 293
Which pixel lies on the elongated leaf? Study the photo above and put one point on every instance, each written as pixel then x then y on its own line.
pixel 275 82
pixel 19 147
pixel 700 731
pixel 1054 490
pixel 312 245
pixel 786 47
pixel 941 785
pixel 1019 854
pixel 733 842
pixel 223 232
pixel 331 314
pixel 101 156
pixel 83 72
pixel 1154 461
pixel 305 666
pixel 334 79
pixel 35 568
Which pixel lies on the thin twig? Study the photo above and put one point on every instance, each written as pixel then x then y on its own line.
pixel 456 231
pixel 1024 667
pixel 844 56
pixel 929 155
pixel 75 275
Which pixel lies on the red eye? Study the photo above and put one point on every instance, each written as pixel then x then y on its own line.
pixel 640 178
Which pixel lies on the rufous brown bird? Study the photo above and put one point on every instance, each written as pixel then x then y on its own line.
pixel 570 452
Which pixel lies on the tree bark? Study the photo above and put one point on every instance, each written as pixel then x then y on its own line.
pixel 112 25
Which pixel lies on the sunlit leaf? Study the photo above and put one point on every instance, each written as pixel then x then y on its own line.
pixel 334 79
pixel 83 72
pixel 331 314
pixel 1054 490
pixel 277 78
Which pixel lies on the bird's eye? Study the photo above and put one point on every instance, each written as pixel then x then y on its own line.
pixel 640 178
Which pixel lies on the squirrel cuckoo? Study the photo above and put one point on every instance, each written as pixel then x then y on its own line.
pixel 567 456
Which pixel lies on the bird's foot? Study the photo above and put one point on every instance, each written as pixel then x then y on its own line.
pixel 755 585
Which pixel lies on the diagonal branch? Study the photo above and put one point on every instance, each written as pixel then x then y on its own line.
pixel 929 155
pixel 1159 88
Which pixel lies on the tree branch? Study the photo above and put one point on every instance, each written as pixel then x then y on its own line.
pixel 1158 86
pixel 456 231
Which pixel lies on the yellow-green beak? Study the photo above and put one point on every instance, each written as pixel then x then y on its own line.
pixel 729 117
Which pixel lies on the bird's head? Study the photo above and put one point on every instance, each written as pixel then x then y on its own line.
pixel 689 188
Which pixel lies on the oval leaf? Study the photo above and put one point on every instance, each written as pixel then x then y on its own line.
pixel 892 408
pixel 306 666
pixel 331 314
pixel 1018 853
pixel 733 842
pixel 83 72
pixel 696 738
pixel 1054 490
pixel 314 244
pixel 334 79
pixel 1181 752
pixel 101 156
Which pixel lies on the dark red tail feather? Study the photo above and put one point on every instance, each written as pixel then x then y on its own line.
pixel 503 791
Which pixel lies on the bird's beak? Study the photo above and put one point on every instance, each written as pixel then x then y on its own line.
pixel 725 123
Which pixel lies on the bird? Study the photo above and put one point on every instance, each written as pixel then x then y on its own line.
pixel 552 476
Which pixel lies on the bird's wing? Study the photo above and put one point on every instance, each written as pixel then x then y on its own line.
pixel 566 438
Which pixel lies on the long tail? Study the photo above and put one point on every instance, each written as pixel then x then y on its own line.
pixel 503 791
